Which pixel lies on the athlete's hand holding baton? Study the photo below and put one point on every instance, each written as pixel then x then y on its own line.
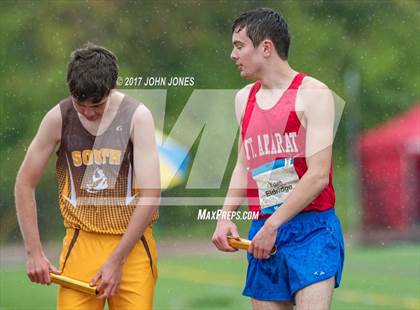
pixel 224 229
pixel 38 268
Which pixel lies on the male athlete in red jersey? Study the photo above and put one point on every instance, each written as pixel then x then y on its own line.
pixel 284 169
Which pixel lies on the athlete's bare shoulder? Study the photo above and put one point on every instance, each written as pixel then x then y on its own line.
pixel 312 83
pixel 52 122
pixel 312 94
pixel 54 114
pixel 241 100
pixel 142 113
pixel 142 119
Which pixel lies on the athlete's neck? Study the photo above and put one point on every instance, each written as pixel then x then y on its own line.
pixel 277 74
pixel 114 101
pixel 112 105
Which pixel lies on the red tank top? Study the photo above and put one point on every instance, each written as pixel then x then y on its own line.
pixel 274 144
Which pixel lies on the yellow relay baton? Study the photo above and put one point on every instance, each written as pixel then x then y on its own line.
pixel 73 284
pixel 243 244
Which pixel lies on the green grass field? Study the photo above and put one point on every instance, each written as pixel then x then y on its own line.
pixel 374 278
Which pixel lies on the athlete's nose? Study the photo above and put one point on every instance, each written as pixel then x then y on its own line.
pixel 89 114
pixel 233 55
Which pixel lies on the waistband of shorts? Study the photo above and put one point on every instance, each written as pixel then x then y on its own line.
pixel 71 230
pixel 305 215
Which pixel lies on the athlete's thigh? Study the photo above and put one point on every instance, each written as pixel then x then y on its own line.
pixel 271 305
pixel 316 296
pixel 80 259
pixel 69 299
pixel 132 300
pixel 138 279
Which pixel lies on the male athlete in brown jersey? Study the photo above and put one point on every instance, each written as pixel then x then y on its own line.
pixel 105 144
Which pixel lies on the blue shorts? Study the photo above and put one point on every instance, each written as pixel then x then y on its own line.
pixel 310 249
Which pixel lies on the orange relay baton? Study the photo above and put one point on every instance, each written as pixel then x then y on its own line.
pixel 243 244
pixel 73 284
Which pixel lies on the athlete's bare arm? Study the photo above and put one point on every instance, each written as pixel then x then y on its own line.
pixel 39 151
pixel 237 185
pixel 146 168
pixel 238 182
pixel 318 107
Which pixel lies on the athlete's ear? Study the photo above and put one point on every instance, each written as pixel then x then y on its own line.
pixel 267 46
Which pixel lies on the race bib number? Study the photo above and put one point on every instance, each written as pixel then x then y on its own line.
pixel 275 181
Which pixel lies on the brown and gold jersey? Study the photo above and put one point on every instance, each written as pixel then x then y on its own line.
pixel 95 173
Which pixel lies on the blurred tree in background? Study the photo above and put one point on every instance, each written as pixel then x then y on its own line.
pixel 186 38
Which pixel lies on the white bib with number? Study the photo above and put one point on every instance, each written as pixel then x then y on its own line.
pixel 275 181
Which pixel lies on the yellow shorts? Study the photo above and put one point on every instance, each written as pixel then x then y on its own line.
pixel 84 254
